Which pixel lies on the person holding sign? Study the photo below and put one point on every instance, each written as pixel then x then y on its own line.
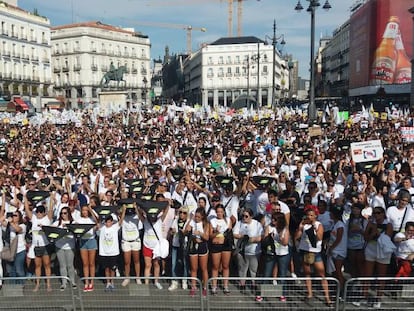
pixel 42 248
pixel 65 249
pixel 88 247
pixel 152 218
pixel 109 248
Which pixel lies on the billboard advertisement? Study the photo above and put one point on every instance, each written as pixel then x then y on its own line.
pixel 381 43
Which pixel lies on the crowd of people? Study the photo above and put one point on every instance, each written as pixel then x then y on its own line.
pixel 205 198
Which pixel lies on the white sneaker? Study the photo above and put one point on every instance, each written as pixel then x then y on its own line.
pixel 274 282
pixel 293 275
pixel 158 285
pixel 173 286
pixel 376 305
pixel 138 281
pixel 125 282
pixel 185 285
pixel 360 302
pixel 117 274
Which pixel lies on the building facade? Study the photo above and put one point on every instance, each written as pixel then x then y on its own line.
pixel 220 72
pixel 334 80
pixel 84 53
pixel 25 53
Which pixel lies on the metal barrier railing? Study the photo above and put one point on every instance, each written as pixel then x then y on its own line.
pixel 381 293
pixel 139 295
pixel 271 294
pixel 18 294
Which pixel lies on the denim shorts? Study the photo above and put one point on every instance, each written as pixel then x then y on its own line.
pixel 318 256
pixel 88 244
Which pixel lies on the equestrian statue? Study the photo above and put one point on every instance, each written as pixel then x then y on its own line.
pixel 114 74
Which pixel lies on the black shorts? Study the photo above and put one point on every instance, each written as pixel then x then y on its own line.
pixel 41 251
pixel 199 249
pixel 110 262
pixel 218 248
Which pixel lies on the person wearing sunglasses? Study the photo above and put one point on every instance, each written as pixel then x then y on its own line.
pixel 199 228
pixel 17 230
pixel 65 249
pixel 250 232
pixel 220 248
pixel 179 261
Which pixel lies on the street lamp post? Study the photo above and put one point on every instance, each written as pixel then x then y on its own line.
pixel 274 42
pixel 313 4
pixel 412 67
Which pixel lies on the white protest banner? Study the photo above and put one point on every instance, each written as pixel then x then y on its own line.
pixel 365 151
pixel 407 134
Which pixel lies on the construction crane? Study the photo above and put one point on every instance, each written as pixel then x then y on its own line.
pixel 187 28
pixel 230 11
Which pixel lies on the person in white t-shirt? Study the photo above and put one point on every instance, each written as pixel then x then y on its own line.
pixel 131 243
pixel 109 247
pixel 250 231
pixel 17 230
pixel 65 249
pixel 41 244
pixel 405 250
pixel 337 245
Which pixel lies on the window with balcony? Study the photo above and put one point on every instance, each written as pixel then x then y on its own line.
pixel 76 46
pixel 228 74
pixel 4 29
pixel 13 31
pixel 228 60
pixel 220 72
pixel 44 38
pixel 237 72
pixel 210 73
pixel 221 62
pixel 210 60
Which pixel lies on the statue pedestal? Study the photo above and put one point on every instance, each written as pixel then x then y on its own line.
pixel 112 101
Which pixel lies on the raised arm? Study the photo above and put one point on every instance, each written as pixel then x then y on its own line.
pixel 27 210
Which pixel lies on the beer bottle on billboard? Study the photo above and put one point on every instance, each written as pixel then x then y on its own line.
pixel 385 58
pixel 403 67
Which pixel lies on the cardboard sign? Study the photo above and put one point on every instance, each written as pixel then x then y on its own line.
pixel 366 151
pixel 407 134
pixel 315 131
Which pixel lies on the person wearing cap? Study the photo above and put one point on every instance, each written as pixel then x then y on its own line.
pixel 42 247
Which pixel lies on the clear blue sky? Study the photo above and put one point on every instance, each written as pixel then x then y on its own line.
pixel 257 20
